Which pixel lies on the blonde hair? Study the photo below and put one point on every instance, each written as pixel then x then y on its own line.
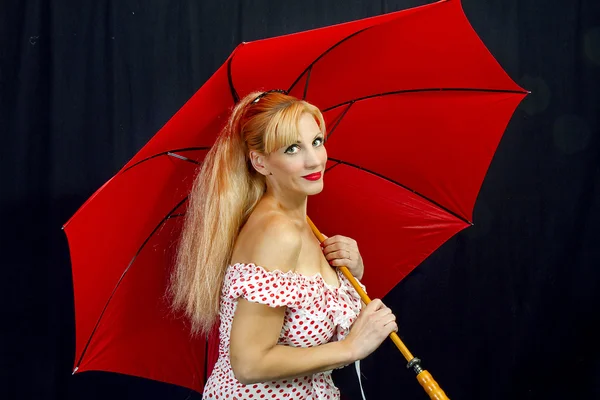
pixel 225 192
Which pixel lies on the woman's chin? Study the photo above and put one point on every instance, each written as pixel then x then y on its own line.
pixel 315 189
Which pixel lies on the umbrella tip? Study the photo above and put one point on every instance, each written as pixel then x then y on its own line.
pixel 75 370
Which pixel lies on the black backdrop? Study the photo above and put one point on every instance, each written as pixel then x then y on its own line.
pixel 507 309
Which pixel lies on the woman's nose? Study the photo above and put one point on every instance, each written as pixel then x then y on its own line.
pixel 312 158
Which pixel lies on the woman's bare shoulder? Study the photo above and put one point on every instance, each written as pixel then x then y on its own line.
pixel 272 241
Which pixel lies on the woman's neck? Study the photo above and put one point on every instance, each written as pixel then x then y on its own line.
pixel 294 207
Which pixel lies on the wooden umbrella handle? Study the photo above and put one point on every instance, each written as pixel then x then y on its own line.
pixel 425 379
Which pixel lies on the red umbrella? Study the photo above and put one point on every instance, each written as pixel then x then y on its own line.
pixel 415 106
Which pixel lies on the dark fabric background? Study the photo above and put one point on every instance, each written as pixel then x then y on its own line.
pixel 507 309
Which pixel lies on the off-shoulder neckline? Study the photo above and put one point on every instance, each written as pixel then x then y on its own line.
pixel 316 278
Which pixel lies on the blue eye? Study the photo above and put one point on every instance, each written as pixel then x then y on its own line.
pixel 290 148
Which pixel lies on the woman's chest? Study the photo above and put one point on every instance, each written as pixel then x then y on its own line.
pixel 312 261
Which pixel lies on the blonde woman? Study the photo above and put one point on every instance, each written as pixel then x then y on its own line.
pixel 247 256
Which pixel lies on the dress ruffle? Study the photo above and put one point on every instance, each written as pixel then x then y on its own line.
pixel 276 288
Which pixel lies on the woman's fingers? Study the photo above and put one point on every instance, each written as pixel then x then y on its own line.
pixel 338 254
pixel 383 316
pixel 374 305
pixel 389 319
pixel 334 247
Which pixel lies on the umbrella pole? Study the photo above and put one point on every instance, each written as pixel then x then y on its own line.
pixel 423 376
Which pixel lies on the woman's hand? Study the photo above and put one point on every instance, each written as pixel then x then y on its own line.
pixel 374 323
pixel 343 251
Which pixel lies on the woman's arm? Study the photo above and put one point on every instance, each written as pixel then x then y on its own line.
pixel 255 354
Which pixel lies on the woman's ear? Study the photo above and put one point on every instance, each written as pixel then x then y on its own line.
pixel 258 162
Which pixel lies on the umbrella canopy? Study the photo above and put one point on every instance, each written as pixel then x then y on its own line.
pixel 415 106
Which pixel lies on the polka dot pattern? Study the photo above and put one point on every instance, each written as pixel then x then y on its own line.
pixel 316 313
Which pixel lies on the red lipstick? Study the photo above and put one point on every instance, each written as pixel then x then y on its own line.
pixel 313 177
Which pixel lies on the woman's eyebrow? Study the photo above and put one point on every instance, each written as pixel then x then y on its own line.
pixel 316 136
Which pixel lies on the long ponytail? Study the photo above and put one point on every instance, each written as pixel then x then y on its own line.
pixel 225 192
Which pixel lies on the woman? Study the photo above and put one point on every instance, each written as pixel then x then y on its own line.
pixel 248 256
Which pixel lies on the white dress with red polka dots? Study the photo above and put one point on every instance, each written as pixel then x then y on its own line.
pixel 316 313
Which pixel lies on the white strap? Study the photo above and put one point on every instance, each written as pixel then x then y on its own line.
pixel 357 365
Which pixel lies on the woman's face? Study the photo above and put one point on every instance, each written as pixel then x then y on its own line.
pixel 292 166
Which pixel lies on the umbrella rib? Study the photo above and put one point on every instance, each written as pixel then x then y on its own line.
pixel 337 122
pixel 309 67
pixel 424 90
pixel 182 158
pixel 333 166
pixel 306 84
pixel 236 97
pixel 401 185
pixel 172 154
pixel 167 217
